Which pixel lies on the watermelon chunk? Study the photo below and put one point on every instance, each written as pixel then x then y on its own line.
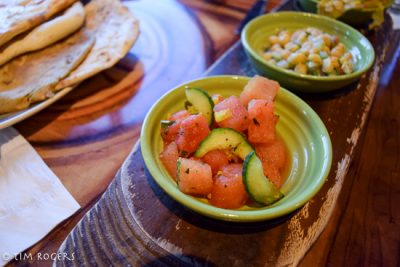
pixel 169 157
pixel 262 121
pixel 194 177
pixel 170 132
pixel 259 88
pixel 180 115
pixel 216 159
pixel 228 191
pixel 192 131
pixel 236 115
pixel 273 159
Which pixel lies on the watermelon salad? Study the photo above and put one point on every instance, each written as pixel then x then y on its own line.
pixel 226 149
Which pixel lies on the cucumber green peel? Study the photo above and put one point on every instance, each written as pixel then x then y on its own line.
pixel 257 185
pixel 201 102
pixel 166 123
pixel 224 138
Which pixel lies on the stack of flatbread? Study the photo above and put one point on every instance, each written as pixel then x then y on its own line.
pixel 48 45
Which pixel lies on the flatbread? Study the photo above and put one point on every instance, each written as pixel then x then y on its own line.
pixel 18 16
pixel 32 77
pixel 46 33
pixel 115 30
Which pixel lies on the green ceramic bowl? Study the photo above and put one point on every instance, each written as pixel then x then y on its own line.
pixel 355 17
pixel 256 33
pixel 307 140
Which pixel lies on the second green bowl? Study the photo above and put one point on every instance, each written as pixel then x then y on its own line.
pixel 255 36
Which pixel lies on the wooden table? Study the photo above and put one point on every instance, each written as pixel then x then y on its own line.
pixel 85 137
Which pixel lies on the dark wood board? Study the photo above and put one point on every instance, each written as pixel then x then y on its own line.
pixel 136 222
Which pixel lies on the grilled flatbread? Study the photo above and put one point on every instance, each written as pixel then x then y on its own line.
pixel 115 30
pixel 32 77
pixel 46 33
pixel 18 16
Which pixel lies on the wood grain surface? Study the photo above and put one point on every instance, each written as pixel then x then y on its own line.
pixel 86 136
pixel 364 228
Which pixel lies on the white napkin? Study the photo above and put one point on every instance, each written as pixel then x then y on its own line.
pixel 32 199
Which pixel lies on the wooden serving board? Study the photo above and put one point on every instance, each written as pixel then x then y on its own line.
pixel 136 223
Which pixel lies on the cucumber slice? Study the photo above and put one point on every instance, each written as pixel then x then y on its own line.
pixel 224 138
pixel 259 187
pixel 166 123
pixel 202 102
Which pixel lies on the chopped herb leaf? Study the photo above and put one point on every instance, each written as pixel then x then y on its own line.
pixel 189 107
pixel 183 154
pixel 255 121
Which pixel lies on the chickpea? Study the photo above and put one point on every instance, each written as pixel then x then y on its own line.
pixel 273 39
pixel 297 58
pixel 318 43
pixel 327 66
pixel 283 64
pixel 301 68
pixel 312 65
pixel 284 38
pixel 334 40
pixel 323 54
pixel 299 37
pixel 307 45
pixel 315 50
pixel 272 61
pixel 267 55
pixel 347 67
pixel 346 57
pixel 315 58
pixel 338 50
pixel 277 55
pixel 285 54
pixel 335 62
pixel 347 63
pixel 326 49
pixel 305 48
pixel 295 34
pixel 276 47
pixel 315 32
pixel 327 40
pixel 292 47
pixel 304 51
